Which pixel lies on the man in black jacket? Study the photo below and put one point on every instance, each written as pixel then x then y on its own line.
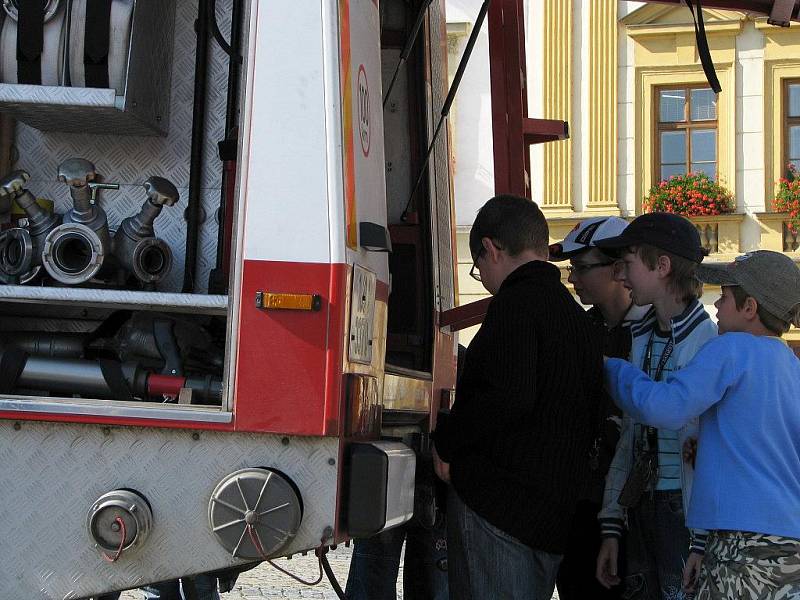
pixel 514 446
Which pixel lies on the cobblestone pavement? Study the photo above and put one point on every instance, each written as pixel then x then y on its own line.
pixel 266 582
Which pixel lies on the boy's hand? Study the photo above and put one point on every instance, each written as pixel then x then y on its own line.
pixel 691 572
pixel 606 572
pixel 690 451
pixel 441 468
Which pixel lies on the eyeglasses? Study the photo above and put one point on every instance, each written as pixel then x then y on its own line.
pixel 475 272
pixel 581 269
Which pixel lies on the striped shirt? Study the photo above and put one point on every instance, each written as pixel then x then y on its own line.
pixel 669 451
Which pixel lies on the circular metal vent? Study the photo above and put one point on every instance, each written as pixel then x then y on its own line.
pixel 254 513
pixel 118 512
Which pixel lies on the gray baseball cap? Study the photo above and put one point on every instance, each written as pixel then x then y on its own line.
pixel 772 278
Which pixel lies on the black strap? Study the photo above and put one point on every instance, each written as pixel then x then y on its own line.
pixel 662 362
pixel 96 43
pixel 30 41
pixel 702 46
pixel 12 363
pixel 782 11
pixel 112 373
pixel 110 327
pixel 652 432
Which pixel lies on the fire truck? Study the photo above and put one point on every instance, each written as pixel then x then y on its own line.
pixel 227 276
pixel 220 288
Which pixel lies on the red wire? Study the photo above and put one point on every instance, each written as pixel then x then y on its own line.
pixel 260 550
pixel 123 535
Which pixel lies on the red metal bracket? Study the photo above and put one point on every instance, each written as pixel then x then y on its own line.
pixel 513 132
pixel 464 316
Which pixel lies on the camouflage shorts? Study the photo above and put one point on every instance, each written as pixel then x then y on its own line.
pixel 750 566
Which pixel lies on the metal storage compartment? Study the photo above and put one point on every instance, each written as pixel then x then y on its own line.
pixel 139 107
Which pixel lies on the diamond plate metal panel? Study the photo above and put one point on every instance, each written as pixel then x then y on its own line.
pixel 52 473
pixel 130 160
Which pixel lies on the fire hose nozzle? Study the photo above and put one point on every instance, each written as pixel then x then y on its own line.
pixel 20 251
pixel 135 244
pixel 73 253
pixel 16 254
pixel 80 175
pixel 161 191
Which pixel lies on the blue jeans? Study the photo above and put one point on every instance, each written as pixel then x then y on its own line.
pixel 657 548
pixel 486 563
pixel 376 562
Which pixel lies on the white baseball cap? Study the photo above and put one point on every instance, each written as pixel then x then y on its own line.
pixel 585 236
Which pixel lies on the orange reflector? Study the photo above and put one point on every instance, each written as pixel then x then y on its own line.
pixel 272 300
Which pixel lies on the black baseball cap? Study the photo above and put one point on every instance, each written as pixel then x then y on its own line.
pixel 665 231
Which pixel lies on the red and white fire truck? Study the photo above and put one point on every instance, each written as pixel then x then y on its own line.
pixel 202 359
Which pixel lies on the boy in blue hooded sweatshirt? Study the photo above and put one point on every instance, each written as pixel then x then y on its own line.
pixel 745 386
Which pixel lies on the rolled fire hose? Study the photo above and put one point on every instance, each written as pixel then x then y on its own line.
pixel 52 51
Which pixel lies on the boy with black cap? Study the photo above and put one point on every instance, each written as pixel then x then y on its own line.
pixel 745 386
pixel 648 479
pixel 594 275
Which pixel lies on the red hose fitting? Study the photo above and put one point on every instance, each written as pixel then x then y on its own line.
pixel 165 385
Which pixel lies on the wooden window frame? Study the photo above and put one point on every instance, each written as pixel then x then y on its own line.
pixel 686 125
pixel 787 122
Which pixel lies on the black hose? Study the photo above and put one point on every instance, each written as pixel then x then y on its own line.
pixel 326 566
pixel 227 147
pixel 198 138
pixel 228 48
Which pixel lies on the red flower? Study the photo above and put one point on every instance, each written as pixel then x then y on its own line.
pixel 691 194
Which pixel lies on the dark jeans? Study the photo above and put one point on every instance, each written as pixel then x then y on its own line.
pixel 485 563
pixel 658 545
pixel 205 586
pixel 576 576
pixel 376 562
pixel 171 590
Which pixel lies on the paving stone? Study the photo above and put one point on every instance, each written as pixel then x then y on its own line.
pixel 266 583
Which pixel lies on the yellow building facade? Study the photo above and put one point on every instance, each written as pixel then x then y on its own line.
pixel 621 75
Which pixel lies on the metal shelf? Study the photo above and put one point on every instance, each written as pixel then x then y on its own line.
pixel 74 110
pixel 156 301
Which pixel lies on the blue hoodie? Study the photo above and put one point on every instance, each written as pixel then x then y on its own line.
pixel 746 390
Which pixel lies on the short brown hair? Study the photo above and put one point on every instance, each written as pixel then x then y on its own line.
pixel 515 223
pixel 683 281
pixel 768 320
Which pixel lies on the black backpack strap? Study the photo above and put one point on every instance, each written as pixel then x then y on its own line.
pixel 96 43
pixel 30 41
pixel 782 11
pixel 12 363
pixel 112 373
pixel 702 46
